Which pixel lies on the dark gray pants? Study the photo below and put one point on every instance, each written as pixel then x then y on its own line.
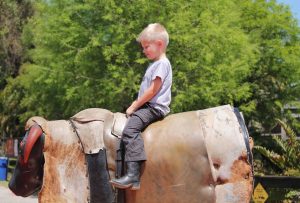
pixel 132 139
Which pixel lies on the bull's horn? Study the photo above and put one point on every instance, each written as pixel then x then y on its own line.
pixel 34 133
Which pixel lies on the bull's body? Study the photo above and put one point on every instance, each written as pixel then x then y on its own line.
pixel 197 156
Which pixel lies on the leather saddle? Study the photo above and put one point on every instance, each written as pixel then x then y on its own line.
pixel 90 136
pixel 115 124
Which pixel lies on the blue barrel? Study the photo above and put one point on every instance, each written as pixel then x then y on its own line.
pixel 3 168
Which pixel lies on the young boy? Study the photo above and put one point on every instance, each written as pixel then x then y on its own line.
pixel 151 105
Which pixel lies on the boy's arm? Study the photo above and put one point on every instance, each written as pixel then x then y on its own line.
pixel 147 96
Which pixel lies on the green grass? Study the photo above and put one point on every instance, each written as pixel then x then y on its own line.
pixel 4 183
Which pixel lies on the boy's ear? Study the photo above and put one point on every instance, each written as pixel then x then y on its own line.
pixel 160 43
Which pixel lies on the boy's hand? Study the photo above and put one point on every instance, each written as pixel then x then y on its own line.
pixel 130 111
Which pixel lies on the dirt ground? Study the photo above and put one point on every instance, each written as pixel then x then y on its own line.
pixel 6 196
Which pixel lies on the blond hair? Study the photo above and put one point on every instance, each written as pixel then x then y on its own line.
pixel 154 31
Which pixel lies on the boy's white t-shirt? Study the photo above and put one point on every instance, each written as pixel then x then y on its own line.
pixel 161 68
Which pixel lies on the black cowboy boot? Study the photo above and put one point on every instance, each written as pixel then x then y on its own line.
pixel 131 179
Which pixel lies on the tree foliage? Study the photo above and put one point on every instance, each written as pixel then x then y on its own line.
pixel 82 54
pixel 13 16
pixel 275 75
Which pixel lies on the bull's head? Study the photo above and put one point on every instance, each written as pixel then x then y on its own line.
pixel 28 174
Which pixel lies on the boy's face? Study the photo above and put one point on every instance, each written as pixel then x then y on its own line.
pixel 152 49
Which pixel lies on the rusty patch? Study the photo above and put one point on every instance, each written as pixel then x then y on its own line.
pixel 238 188
pixel 241 169
pixel 242 172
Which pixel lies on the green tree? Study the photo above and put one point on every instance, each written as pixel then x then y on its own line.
pixel 275 75
pixel 89 55
pixel 211 56
pixel 13 16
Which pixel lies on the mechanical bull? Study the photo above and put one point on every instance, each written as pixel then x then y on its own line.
pixel 198 156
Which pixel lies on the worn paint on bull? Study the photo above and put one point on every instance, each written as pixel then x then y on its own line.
pixel 232 172
pixel 65 169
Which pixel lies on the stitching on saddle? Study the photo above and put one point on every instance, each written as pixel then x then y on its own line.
pixel 76 132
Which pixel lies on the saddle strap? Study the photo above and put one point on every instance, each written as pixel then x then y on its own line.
pixel 101 190
pixel 76 132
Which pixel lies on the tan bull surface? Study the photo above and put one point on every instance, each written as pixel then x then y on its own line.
pixel 65 177
pixel 197 156
pixel 177 169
